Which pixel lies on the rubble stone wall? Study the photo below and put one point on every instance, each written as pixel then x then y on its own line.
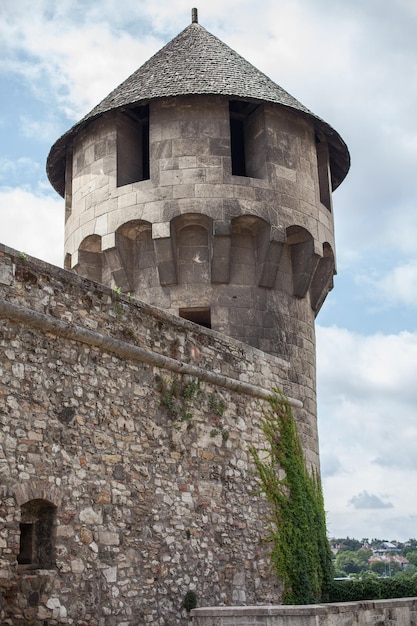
pixel 135 426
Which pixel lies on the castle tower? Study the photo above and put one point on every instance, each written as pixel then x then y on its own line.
pixel 128 486
pixel 202 187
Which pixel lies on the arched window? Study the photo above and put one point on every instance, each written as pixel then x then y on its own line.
pixel 37 534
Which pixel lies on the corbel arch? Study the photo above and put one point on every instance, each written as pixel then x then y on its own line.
pixel 90 260
pixel 134 258
pixel 256 251
pixel 191 235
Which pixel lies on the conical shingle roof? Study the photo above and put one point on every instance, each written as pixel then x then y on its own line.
pixel 196 62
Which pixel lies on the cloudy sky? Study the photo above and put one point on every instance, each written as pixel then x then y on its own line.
pixel 352 63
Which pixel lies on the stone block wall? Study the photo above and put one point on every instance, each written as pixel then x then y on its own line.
pixel 129 430
pixel 190 172
pixel 251 254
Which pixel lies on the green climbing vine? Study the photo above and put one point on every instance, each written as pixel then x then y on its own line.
pixel 300 553
pixel 178 395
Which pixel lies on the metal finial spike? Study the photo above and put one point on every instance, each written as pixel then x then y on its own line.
pixel 194 16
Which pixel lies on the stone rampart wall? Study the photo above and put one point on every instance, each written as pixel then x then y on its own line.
pixel 135 426
pixel 399 612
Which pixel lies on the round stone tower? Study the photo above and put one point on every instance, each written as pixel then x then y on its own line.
pixel 202 187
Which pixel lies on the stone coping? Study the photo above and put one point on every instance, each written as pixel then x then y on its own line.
pixel 299 610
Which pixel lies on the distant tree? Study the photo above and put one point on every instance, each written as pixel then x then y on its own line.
pixel 349 562
pixel 409 572
pixel 386 568
pixel 380 567
pixel 411 557
pixel 349 544
pixel 363 556
pixel 395 567
pixel 410 546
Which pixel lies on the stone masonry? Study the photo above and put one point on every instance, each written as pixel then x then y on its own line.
pixel 128 493
pixel 150 503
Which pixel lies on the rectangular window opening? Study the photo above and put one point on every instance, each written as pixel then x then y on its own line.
pixel 247 139
pixel 200 316
pixel 37 535
pixel 133 146
pixel 237 139
pixel 25 556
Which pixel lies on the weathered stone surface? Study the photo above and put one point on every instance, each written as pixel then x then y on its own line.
pixel 130 429
pixel 152 501
pixel 397 612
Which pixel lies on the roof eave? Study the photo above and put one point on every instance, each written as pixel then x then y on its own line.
pixel 338 152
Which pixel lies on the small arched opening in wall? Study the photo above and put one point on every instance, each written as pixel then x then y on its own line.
pixel 37 535
pixel 90 261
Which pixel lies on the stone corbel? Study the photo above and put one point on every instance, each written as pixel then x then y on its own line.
pixel 270 249
pixel 305 256
pixel 164 253
pixel 115 265
pixel 322 282
pixel 221 245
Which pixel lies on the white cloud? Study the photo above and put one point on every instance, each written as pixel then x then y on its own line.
pixel 32 223
pixel 367 366
pixel 11 171
pixel 45 130
pixel 74 64
pixel 398 287
pixel 367 421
